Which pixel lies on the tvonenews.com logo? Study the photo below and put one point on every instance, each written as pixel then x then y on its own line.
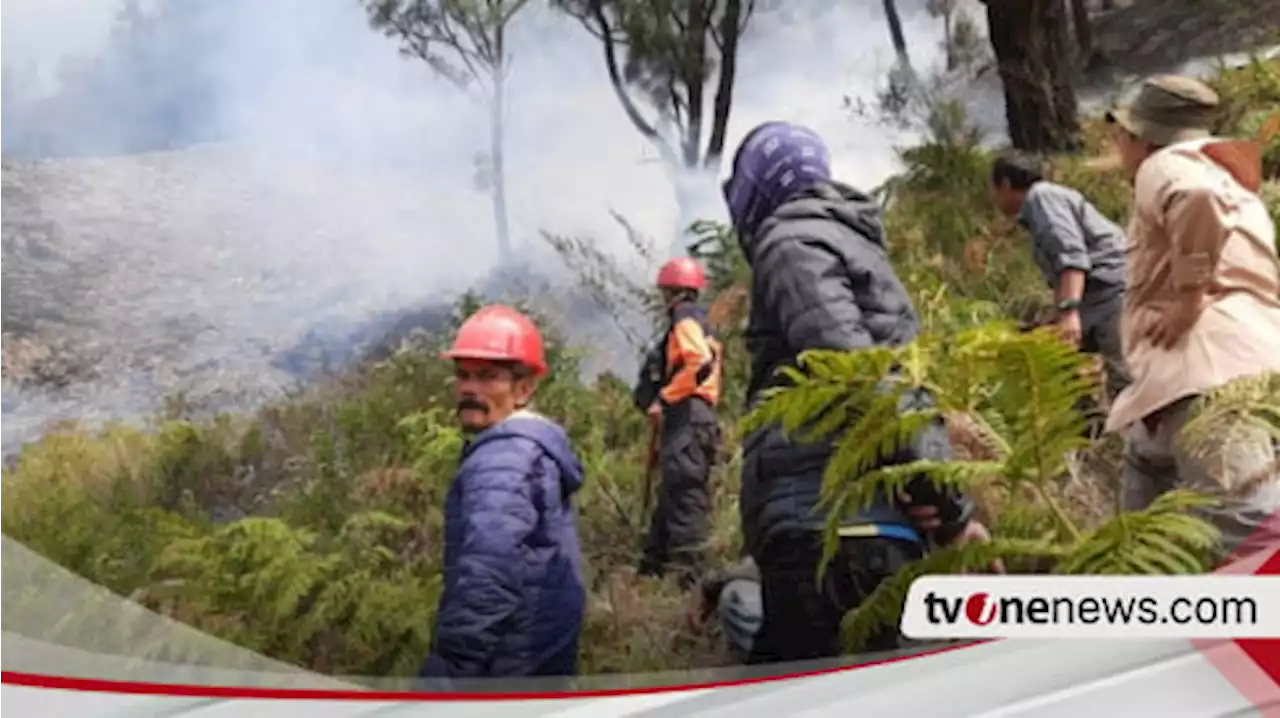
pixel 1083 606
pixel 982 609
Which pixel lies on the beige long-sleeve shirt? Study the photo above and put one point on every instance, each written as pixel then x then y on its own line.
pixel 1198 223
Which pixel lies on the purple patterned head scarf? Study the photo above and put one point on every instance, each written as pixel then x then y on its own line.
pixel 776 161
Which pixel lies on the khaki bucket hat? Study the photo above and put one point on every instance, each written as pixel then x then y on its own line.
pixel 1169 109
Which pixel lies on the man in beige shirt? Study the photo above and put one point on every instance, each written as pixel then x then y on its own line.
pixel 1203 305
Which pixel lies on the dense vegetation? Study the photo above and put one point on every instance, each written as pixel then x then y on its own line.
pixel 310 531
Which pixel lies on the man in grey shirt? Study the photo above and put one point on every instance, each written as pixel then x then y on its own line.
pixel 1079 251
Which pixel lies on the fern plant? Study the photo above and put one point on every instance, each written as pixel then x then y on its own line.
pixel 1248 404
pixel 346 605
pixel 1019 390
pixel 1247 409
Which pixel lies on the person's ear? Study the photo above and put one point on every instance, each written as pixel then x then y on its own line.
pixel 522 388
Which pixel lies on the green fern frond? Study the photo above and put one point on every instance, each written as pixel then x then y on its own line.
pixel 1164 538
pixel 993 430
pixel 1248 404
pixel 1020 390
pixel 882 609
pixel 1043 383
pixel 843 495
pixel 961 370
pixel 1025 518
pixel 849 405
pixel 821 380
pixel 1179 500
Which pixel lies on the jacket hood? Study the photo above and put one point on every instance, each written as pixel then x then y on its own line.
pixel 547 434
pixel 832 201
pixel 775 162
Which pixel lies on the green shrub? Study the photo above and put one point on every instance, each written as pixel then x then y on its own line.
pixel 311 529
pixel 1020 390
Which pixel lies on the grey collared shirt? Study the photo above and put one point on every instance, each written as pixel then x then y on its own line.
pixel 1068 232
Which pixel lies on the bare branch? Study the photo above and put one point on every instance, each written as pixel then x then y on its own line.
pixel 615 78
pixel 730 26
pixel 677 103
pixel 747 13
pixel 455 38
pixel 660 56
pixel 677 20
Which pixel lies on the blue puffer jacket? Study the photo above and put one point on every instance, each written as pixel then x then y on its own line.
pixel 513 599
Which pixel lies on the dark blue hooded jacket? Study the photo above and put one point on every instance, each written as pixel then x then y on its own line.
pixel 821 279
pixel 513 600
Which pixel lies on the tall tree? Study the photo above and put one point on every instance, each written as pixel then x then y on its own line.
pixel 962 41
pixel 666 53
pixel 944 9
pixel 675 56
pixel 895 32
pixel 1030 42
pixel 465 42
pixel 1083 28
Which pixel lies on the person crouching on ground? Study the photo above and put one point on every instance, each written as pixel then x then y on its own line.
pixel 513 600
pixel 734 597
pixel 1079 252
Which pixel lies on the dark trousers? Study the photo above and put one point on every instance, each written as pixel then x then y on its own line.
pixel 801 616
pixel 681 520
pixel 1101 327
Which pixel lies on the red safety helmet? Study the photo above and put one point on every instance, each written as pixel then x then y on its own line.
pixel 682 273
pixel 499 333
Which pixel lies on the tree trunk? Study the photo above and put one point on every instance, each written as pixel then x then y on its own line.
pixel 696 22
pixel 948 43
pixel 1029 40
pixel 497 137
pixel 895 31
pixel 730 24
pixel 1083 31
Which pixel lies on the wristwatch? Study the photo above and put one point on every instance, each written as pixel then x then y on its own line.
pixel 1067 305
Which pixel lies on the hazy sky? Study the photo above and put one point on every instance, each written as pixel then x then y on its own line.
pixel 316 104
pixel 310 79
pixel 48 29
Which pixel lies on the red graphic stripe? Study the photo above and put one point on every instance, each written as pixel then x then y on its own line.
pixel 98 685
pixel 1251 665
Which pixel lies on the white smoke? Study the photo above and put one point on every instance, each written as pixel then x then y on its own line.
pixel 308 102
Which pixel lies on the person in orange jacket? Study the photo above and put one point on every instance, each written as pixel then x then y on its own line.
pixel 681 390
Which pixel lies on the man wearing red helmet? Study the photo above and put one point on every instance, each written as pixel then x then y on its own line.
pixel 686 381
pixel 513 599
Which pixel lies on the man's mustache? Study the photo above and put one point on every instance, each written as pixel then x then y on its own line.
pixel 468 402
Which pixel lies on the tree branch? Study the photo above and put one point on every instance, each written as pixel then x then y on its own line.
pixel 747 13
pixel 422 28
pixel 615 78
pixel 694 76
pixel 731 26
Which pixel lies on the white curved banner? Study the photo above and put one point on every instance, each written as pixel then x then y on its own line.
pixel 72 648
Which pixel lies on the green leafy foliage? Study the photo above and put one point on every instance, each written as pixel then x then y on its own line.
pixel 679 58
pixel 1247 403
pixel 311 529
pixel 460 40
pixel 1020 390
pixel 349 604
